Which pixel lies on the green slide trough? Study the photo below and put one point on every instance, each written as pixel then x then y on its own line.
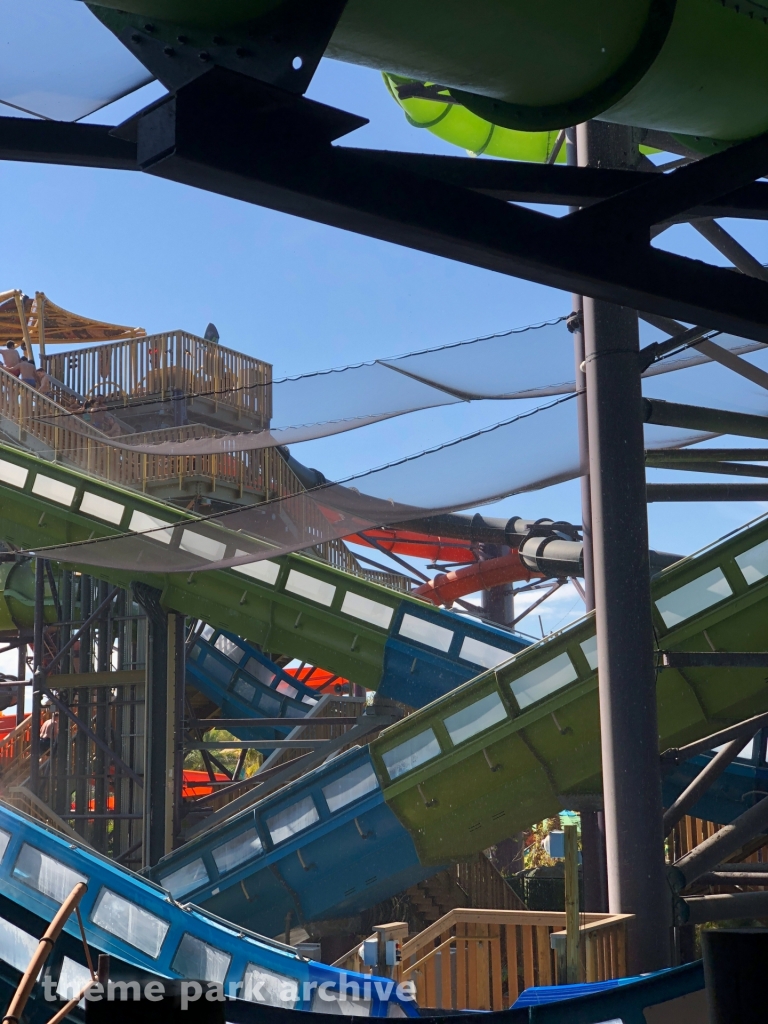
pixel 695 67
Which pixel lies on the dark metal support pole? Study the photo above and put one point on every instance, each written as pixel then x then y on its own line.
pixel 628 716
pixel 21 673
pixel 595 879
pixel 725 907
pixel 723 844
pixel 179 628
pixel 37 675
pixel 706 777
pixel 155 783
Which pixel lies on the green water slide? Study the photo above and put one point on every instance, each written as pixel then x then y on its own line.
pixel 512 745
pixel 696 67
pixel 517 744
pixel 294 605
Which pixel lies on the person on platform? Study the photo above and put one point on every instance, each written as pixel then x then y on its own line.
pixel 11 358
pixel 27 372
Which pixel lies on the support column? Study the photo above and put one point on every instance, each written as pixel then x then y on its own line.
pixel 628 715
pixel 594 872
pixel 164 653
pixel 498 602
pixel 37 672
pixel 175 736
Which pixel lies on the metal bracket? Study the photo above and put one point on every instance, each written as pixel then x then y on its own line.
pixel 282 47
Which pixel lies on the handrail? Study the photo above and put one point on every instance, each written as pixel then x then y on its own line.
pixel 28 412
pixel 464 915
pixel 495 954
pixel 17 732
pixel 158 364
pixel 46 944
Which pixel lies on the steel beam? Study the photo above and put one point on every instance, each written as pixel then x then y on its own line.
pixel 723 907
pixel 60 142
pixel 714 659
pixel 706 492
pixel 228 134
pixel 156 811
pixel 38 675
pixel 720 846
pixel 661 197
pixel 742 730
pixel 627 692
pixel 703 781
pixel 85 145
pixel 678 457
pixel 712 421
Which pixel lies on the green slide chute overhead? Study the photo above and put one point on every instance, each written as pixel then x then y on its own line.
pixel 694 67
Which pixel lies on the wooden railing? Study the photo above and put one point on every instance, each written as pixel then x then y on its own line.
pixel 688 834
pixel 337 554
pixel 26 414
pixel 162 363
pixel 14 747
pixel 483 959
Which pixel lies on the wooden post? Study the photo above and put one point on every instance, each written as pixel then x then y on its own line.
pixel 40 298
pixel 572 951
pixel 23 322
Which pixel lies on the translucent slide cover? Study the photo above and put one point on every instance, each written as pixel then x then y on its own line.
pixel 526 452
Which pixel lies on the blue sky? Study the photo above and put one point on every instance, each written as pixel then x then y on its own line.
pixel 139 250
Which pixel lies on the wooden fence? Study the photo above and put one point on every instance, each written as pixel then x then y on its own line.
pixel 27 415
pixel 160 364
pixel 483 959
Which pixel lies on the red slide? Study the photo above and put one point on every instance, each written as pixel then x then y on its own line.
pixel 446 588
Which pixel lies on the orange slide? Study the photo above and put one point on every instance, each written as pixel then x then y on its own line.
pixel 417 545
pixel 446 588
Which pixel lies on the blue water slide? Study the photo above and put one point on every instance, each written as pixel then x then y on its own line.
pixel 430 652
pixel 244 683
pixel 149 934
pixel 675 994
pixel 324 846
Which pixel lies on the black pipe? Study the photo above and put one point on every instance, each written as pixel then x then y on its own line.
pixel 723 844
pixel 627 692
pixel 703 781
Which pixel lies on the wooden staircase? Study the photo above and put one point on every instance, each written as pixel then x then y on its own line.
pixel 476 884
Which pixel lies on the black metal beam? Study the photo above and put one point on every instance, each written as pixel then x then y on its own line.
pixel 723 844
pixel 706 492
pixel 229 134
pixel 722 907
pixel 86 145
pixel 661 197
pixel 677 457
pixel 248 723
pixel 732 878
pixel 677 755
pixel 703 781
pixel 714 659
pixel 58 142
pixel 723 468
pixel 520 182
pixel 713 421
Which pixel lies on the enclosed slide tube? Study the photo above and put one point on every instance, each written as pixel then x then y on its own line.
pixel 695 67
pixel 150 937
pixel 539 548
